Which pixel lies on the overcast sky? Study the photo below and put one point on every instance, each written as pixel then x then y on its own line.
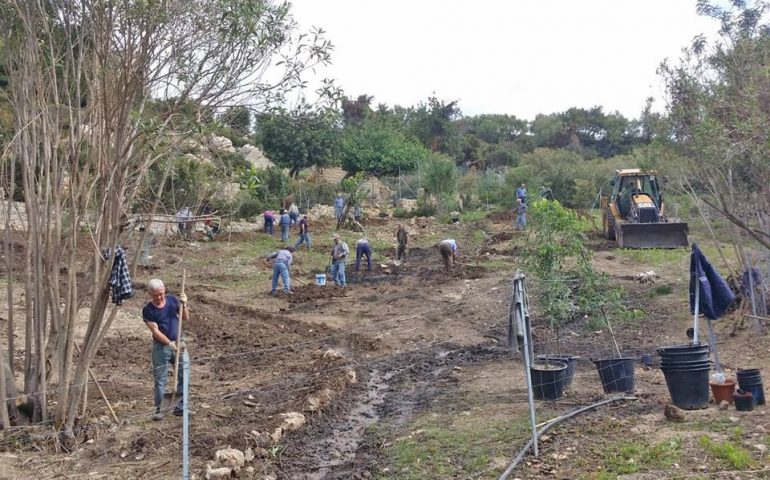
pixel 520 57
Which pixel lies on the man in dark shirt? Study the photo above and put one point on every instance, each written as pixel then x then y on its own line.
pixel 161 315
pixel 303 233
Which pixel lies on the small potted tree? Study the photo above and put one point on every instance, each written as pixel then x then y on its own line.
pixel 557 236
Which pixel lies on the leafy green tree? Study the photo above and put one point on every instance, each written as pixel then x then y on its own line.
pixel 719 110
pixel 554 168
pixel 548 131
pixel 431 123
pixel 493 128
pixel 439 176
pixel 238 119
pixel 354 112
pixel 300 138
pixel 378 147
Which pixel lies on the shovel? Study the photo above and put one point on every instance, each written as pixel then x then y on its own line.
pixel 175 373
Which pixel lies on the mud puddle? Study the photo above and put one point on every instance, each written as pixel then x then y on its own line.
pixel 393 395
pixel 342 443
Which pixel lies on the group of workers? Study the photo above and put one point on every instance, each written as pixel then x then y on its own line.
pixel 161 314
pixel 283 257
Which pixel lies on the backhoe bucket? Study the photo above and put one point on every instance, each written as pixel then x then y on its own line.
pixel 651 235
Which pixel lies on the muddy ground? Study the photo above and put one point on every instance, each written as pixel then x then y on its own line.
pixel 403 355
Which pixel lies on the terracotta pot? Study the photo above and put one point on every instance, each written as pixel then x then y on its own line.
pixel 723 391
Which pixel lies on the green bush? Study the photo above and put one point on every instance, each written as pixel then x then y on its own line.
pixel 401 212
pixel 316 193
pixel 424 211
pixel 250 207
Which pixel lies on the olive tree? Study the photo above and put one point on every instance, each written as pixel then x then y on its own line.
pixel 81 76
pixel 720 114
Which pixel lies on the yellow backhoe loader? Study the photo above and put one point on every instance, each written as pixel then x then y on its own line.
pixel 634 215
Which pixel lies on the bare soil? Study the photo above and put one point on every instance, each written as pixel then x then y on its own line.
pixel 362 363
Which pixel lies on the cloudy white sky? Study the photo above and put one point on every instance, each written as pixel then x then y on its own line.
pixel 520 57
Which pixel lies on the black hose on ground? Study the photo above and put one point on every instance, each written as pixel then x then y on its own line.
pixel 553 422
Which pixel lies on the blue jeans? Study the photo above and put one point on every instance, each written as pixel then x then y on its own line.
pixel 363 250
pixel 303 238
pixel 338 212
pixel 521 221
pixel 338 272
pixel 162 356
pixel 284 232
pixel 269 226
pixel 280 268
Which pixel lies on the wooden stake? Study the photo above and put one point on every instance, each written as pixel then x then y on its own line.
pixel 612 334
pixel 98 387
pixel 179 335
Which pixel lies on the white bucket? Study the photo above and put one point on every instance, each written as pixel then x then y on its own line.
pixel 320 279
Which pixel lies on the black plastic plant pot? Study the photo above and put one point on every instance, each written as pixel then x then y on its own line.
pixel 548 379
pixel 750 380
pixel 687 364
pixel 689 388
pixel 684 353
pixel 616 374
pixel 681 349
pixel 570 360
pixel 744 401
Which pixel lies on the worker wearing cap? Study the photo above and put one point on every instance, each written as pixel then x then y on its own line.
pixel 363 249
pixel 281 264
pixel 340 253
pixel 448 248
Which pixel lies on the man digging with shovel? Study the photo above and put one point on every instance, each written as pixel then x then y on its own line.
pixel 161 315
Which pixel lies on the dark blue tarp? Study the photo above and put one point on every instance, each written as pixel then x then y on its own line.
pixel 715 294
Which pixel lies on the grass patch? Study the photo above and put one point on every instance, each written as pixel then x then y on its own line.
pixel 653 256
pixel 664 289
pixel 716 425
pixel 478 237
pixel 473 215
pixel 631 457
pixel 728 452
pixel 444 446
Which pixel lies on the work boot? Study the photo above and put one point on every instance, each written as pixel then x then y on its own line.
pixel 158 415
pixel 179 410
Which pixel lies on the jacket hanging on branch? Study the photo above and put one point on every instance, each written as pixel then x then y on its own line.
pixel 120 279
pixel 715 295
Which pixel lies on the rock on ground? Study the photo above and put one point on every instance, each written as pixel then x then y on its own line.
pixel 231 458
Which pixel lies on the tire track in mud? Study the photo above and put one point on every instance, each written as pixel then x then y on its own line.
pixel 395 389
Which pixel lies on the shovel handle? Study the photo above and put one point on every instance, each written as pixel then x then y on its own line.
pixel 179 334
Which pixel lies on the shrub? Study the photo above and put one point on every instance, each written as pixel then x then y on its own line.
pixel 401 212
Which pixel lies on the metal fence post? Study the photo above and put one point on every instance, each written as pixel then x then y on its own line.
pixel 186 416
pixel 520 302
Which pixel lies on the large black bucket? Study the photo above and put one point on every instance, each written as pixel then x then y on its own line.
pixel 688 387
pixel 617 374
pixel 750 380
pixel 684 352
pixel 690 364
pixel 548 383
pixel 570 360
